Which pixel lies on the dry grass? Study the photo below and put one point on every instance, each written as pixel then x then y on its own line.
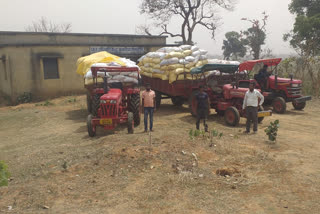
pixel 54 163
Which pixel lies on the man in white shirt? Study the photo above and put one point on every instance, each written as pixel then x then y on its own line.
pixel 250 104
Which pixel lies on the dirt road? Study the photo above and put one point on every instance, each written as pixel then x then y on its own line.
pixel 57 168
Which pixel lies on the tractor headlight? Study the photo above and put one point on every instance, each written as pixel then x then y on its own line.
pixel 103 101
pixel 296 85
pixel 113 101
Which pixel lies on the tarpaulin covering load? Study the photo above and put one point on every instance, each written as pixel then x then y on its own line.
pixel 224 68
pixel 84 63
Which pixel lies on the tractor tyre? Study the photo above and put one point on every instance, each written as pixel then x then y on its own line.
pixel 299 106
pixel 91 128
pixel 260 119
pixel 177 101
pixel 89 103
pixel 95 104
pixel 134 107
pixel 130 123
pixel 232 116
pixel 193 103
pixel 279 105
pixel 158 99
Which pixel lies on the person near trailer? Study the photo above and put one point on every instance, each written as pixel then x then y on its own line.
pixel 149 106
pixel 250 105
pixel 202 106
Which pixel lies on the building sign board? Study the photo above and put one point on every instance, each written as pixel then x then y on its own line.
pixel 118 50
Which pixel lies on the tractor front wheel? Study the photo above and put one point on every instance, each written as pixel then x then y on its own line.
pixel 130 122
pixel 177 101
pixel 260 119
pixel 298 106
pixel 134 107
pixel 91 128
pixel 232 116
pixel 279 105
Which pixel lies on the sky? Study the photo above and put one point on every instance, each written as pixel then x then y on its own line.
pixel 123 17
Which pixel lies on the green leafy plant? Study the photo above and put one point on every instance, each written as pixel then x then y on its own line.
pixel 272 130
pixel 4 174
pixel 46 103
pixel 26 97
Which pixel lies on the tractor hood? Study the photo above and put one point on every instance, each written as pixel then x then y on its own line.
pixel 285 80
pixel 113 94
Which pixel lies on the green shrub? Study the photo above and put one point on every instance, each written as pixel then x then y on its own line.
pixel 4 174
pixel 26 97
pixel 272 130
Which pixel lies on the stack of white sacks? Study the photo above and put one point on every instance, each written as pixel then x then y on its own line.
pixel 169 62
pixel 124 77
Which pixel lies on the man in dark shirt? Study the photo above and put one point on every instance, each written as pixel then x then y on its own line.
pixel 202 108
pixel 263 77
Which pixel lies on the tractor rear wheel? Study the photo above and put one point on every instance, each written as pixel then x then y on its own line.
pixel 177 101
pixel 130 123
pixel 193 103
pixel 91 128
pixel 232 116
pixel 279 105
pixel 158 99
pixel 298 106
pixel 134 107
pixel 95 104
pixel 89 103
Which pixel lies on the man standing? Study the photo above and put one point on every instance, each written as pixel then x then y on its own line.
pixel 250 104
pixel 202 108
pixel 149 106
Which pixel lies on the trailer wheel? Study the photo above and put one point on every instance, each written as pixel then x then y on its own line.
pixel 232 116
pixel 130 123
pixel 134 107
pixel 95 104
pixel 158 99
pixel 193 103
pixel 89 103
pixel 91 128
pixel 298 106
pixel 279 105
pixel 177 101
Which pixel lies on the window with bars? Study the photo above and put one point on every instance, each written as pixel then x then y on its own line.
pixel 50 68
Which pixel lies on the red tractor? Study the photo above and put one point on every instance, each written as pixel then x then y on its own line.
pixel 278 91
pixel 112 103
pixel 226 99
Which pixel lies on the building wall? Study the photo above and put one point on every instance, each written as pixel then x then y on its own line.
pixel 25 73
pixel 22 54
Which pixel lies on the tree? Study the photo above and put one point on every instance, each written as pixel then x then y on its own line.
pixel 256 34
pixel 234 46
pixel 192 12
pixel 305 36
pixel 43 25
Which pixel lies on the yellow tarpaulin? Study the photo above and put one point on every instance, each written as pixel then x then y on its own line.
pixel 85 63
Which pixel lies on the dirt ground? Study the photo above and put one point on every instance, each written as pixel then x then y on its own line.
pixel 57 168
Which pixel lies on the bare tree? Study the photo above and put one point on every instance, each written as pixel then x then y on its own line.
pixel 43 25
pixel 192 12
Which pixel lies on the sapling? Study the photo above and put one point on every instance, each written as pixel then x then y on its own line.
pixel 272 130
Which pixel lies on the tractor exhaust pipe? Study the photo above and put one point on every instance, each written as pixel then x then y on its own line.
pixel 105 84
